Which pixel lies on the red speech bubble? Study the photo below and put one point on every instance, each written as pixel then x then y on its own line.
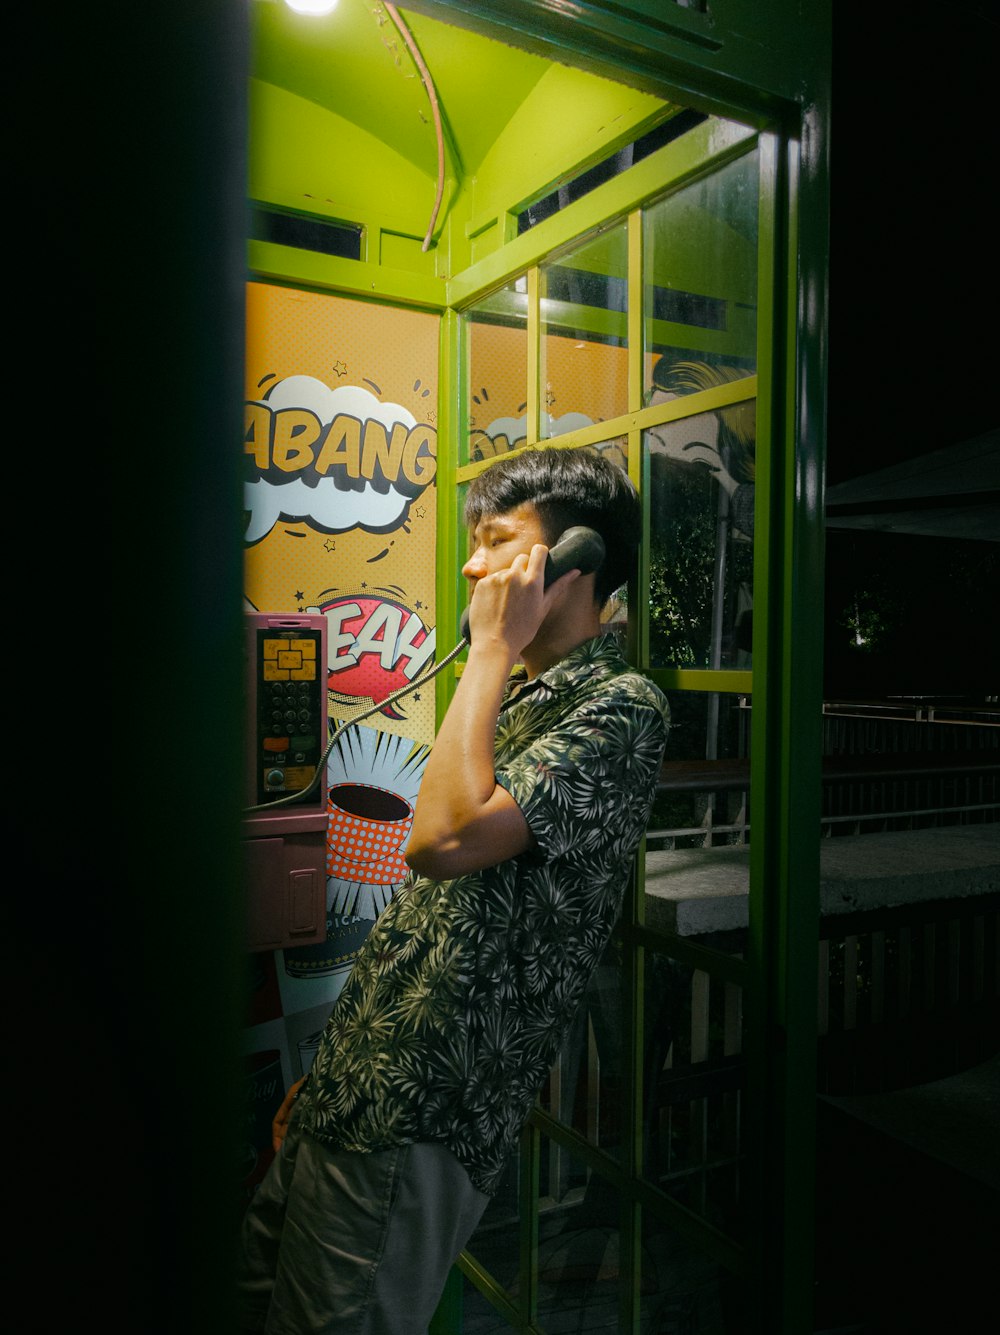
pixel 375 646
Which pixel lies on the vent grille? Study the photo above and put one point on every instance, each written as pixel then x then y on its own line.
pixel 305 233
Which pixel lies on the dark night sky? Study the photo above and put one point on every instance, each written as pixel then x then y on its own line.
pixel 913 337
pixel 913 262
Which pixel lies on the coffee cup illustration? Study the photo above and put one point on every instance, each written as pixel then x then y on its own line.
pixel 367 829
pixel 366 833
pixel 307 1049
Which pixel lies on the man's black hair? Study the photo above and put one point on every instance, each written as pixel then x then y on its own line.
pixel 567 488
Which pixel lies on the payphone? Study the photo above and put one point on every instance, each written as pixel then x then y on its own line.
pixel 285 818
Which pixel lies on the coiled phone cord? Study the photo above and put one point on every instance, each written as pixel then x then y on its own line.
pixel 360 718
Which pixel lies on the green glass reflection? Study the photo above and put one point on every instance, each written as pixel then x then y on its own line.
pixel 694 1076
pixel 496 353
pixel 702 500
pixel 703 796
pixel 700 329
pixel 697 864
pixel 580 1271
pixel 584 336
pixel 586 1085
pixel 683 1289
pixel 700 274
pixel 585 1278
pixel 495 1247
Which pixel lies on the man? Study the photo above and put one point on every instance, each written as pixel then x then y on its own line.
pixel 531 805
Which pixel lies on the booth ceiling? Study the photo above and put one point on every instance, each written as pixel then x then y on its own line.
pixel 354 63
pixel 362 114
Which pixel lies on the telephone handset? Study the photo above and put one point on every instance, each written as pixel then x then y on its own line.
pixel 578 548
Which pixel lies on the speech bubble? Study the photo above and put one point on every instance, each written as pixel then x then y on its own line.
pixel 335 459
pixel 375 646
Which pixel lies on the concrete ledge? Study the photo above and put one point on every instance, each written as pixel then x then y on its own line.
pixel 699 890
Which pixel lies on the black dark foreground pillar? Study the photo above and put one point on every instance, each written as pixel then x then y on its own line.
pixel 125 302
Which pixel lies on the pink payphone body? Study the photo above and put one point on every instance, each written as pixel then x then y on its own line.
pixel 285 803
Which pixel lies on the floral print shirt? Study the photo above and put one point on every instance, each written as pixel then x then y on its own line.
pixel 464 990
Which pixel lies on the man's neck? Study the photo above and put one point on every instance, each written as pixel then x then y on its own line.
pixel 553 643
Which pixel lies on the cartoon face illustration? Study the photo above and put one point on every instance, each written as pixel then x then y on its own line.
pixel 723 441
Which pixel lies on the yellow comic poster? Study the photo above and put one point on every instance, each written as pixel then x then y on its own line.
pixel 340 455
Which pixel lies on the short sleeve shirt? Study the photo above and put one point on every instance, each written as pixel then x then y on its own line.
pixel 463 992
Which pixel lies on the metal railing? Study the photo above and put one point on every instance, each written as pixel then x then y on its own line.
pixel 890 765
pixel 904 996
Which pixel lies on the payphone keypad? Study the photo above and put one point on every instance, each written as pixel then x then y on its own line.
pixel 290 711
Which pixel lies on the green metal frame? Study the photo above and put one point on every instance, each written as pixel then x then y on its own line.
pixel 786 746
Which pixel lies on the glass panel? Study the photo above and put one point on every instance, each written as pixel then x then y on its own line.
pixel 579 1276
pixel 479 1316
pixel 586 1084
pixel 701 541
pixel 616 450
pixel 683 1290
pixel 700 275
pixel 497 361
pixel 584 335
pixel 701 800
pixel 579 1266
pixel 697 850
pixel 496 1246
pixel 694 1075
pixel 582 1271
pixel 700 291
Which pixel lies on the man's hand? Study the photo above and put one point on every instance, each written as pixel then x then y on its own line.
pixel 279 1123
pixel 510 604
pixel 464 819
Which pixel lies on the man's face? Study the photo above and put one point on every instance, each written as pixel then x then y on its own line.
pixel 498 539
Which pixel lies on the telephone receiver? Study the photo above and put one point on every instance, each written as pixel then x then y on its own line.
pixel 577 549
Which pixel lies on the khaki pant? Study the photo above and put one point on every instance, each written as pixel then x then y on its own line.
pixel 340 1243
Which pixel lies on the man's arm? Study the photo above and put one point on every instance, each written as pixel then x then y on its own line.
pixel 464 820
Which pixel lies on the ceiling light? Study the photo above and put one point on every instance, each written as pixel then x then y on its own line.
pixel 317 7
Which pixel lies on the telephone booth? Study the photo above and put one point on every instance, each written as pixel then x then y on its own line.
pixel 462 228
pixel 478 229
